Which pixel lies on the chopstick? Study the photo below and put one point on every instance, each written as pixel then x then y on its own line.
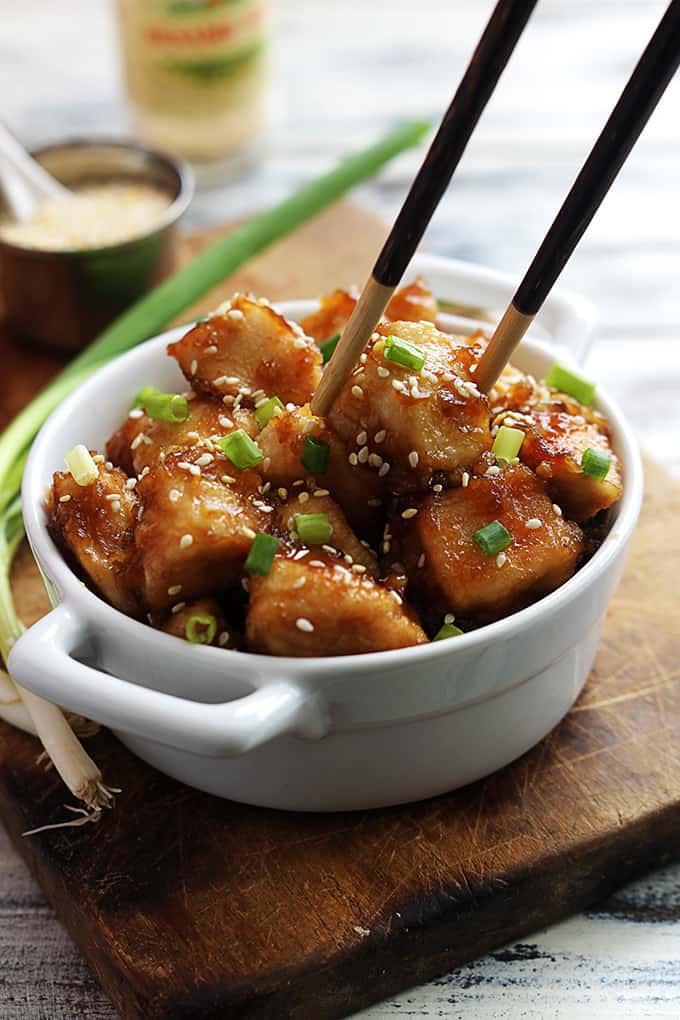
pixel 654 71
pixel 485 68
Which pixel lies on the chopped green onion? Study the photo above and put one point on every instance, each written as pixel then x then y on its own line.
pixel 201 629
pixel 169 407
pixel 492 538
pixel 241 450
pixel 507 443
pixel 315 455
pixel 595 463
pixel 80 464
pixel 447 630
pixel 327 348
pixel 313 529
pixel 566 381
pixel 261 555
pixel 265 412
pixel 403 352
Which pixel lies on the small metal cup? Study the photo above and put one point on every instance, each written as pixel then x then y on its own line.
pixel 63 299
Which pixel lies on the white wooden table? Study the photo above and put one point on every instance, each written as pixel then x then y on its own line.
pixel 344 70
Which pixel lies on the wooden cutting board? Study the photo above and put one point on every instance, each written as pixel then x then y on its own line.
pixel 193 908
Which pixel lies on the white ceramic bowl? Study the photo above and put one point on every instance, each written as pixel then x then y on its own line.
pixel 318 734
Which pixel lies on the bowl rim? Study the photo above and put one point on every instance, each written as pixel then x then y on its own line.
pixel 97 614
pixel 177 165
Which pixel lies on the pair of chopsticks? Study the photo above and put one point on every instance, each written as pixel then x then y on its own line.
pixel 647 84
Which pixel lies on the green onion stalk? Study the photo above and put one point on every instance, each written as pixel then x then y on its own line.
pixel 144 319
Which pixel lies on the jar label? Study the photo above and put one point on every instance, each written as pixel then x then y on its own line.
pixel 202 39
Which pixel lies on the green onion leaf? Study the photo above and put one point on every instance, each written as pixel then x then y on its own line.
pixel 169 407
pixel 403 352
pixel 327 348
pixel 201 629
pixel 595 463
pixel 241 450
pixel 315 455
pixel 261 555
pixel 313 529
pixel 566 381
pixel 507 443
pixel 447 630
pixel 265 412
pixel 81 465
pixel 492 538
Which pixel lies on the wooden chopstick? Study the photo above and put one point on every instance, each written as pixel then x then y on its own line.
pixel 485 68
pixel 654 71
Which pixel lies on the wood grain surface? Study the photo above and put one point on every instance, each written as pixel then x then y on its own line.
pixel 191 907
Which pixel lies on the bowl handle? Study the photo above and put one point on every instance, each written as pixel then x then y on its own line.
pixel 42 661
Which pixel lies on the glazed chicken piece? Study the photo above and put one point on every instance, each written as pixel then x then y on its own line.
pixel 95 523
pixel 196 528
pixel 247 348
pixel 415 302
pixel 140 439
pixel 342 538
pixel 416 422
pixel 303 609
pixel 451 574
pixel 557 434
pixel 200 611
pixel 358 488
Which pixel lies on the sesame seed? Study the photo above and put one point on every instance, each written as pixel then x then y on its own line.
pixel 303 497
pixel 266 463
pixel 413 458
pixel 438 488
pixel 282 493
pixel 98 458
pixel 261 402
pixel 348 559
pixel 358 568
pixel 362 455
pixel 396 596
pixel 374 502
pixel 398 385
pixel 357 392
pixel 493 470
pixel 421 561
pixel 317 563
pixel 379 436
pixel 227 479
pixel 65 498
pixel 449 618
pixel 223 639
pixel 361 438
pixel 501 559
pixel 130 484
pixel 193 367
pixel 408 514
pixel 137 441
pixel 112 496
pixel 194 436
pixel 375 460
pixel 383 372
pixel 300 582
pixel 264 489
pixel 211 349
pixel 227 400
pixel 297 482
pixel 174 589
pixel 384 470
pixel 533 523
pixel 174 495
pixel 321 492
pixel 329 549
pixel 557 509
pixel 302 623
pixel 248 532
pixel 465 480
pixel 115 505
pixel 299 343
pixel 177 608
pixel 353 459
pixel 364 358
pixel 235 314
pixel 136 412
pixel 205 459
pixel 185 541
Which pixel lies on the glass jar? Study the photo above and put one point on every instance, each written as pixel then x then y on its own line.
pixel 195 73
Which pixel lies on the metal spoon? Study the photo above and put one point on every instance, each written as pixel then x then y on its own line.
pixel 25 183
